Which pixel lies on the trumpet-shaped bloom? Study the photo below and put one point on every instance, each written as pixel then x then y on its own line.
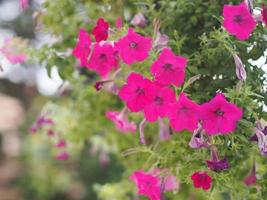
pixel 148 185
pixel 83 47
pixel 215 163
pixel 238 21
pixel 169 68
pixel 159 107
pixel 100 31
pixel 201 180
pixel 183 114
pixel 136 92
pixel 251 178
pixel 264 14
pixel 219 116
pixel 134 47
pixel 102 59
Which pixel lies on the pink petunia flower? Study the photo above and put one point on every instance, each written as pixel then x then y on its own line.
pixel 62 156
pixel 121 121
pixel 162 98
pixel 119 23
pixel 139 20
pixel 264 14
pixel 238 21
pixel 83 47
pixel 183 114
pixel 160 42
pixel 24 4
pixel 148 185
pixel 136 92
pixel 134 47
pixel 61 144
pixel 169 68
pixel 219 116
pixel 13 50
pixel 251 178
pixel 197 140
pixel 102 59
pixel 100 31
pixel 202 180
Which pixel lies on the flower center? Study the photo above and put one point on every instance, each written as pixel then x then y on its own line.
pixel 102 57
pixel 167 66
pixel 133 45
pixel 140 91
pixel 158 100
pixel 238 19
pixel 183 110
pixel 219 112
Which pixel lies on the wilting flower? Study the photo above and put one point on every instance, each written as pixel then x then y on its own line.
pixel 162 98
pixel 102 59
pixel 164 131
pixel 251 178
pixel 183 114
pixel 198 141
pixel 249 4
pixel 134 47
pixel 99 84
pixel 13 50
pixel 62 156
pixel 100 31
pixel 83 47
pixel 215 163
pixel 139 20
pixel 264 14
pixel 169 68
pixel 240 68
pixel 201 180
pixel 119 23
pixel 262 140
pixel 61 144
pixel 40 122
pixel 161 41
pixel 142 131
pixel 136 92
pixel 238 21
pixel 148 185
pixel 219 116
pixel 24 4
pixel 121 121
pixel 103 158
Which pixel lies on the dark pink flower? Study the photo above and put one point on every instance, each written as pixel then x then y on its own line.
pixel 148 185
pixel 121 121
pixel 136 92
pixel 162 98
pixel 119 23
pixel 61 144
pixel 134 47
pixel 238 21
pixel 62 156
pixel 169 68
pixel 100 31
pixel 215 163
pixel 24 4
pixel 99 84
pixel 202 180
pixel 170 183
pixel 83 47
pixel 183 114
pixel 102 59
pixel 264 14
pixel 251 178
pixel 219 116
pixel 139 20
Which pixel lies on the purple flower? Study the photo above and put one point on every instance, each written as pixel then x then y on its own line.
pixel 262 140
pixel 240 68
pixel 251 178
pixel 139 20
pixel 142 131
pixel 161 41
pixel 215 163
pixel 198 141
pixel 164 131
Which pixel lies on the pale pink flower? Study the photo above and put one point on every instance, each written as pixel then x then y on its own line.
pixel 169 68
pixel 24 4
pixel 238 21
pixel 219 116
pixel 148 185
pixel 164 131
pixel 161 41
pixel 240 68
pixel 83 47
pixel 134 47
pixel 183 114
pixel 197 140
pixel 121 121
pixel 139 20
pixel 136 92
